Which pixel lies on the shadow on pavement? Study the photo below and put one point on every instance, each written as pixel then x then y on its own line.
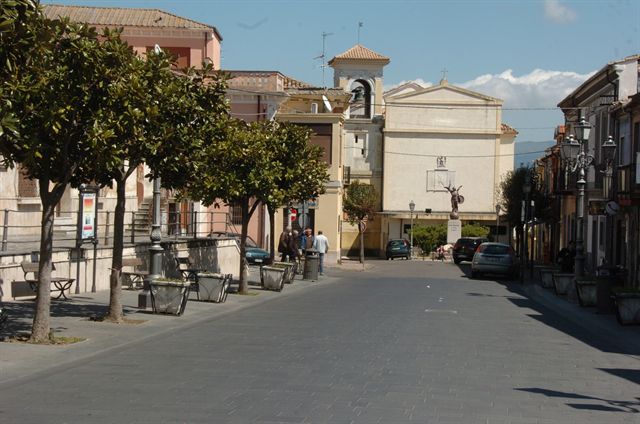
pixel 631 375
pixel 606 342
pixel 607 405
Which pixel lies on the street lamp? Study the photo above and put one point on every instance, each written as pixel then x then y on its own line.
pixel 155 250
pixel 412 207
pixel 497 223
pixel 526 189
pixel 573 153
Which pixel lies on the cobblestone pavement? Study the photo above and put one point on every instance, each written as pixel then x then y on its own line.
pixel 403 341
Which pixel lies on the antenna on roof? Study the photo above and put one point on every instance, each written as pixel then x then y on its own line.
pixel 360 24
pixel 322 56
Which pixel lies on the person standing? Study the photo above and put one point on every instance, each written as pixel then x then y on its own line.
pixel 321 244
pixel 283 244
pixel 307 241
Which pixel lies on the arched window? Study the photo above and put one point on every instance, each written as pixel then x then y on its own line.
pixel 360 99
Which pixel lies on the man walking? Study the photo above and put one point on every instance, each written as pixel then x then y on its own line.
pixel 322 246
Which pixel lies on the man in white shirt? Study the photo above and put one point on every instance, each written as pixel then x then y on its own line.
pixel 321 244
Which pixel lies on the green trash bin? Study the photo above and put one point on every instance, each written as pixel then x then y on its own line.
pixel 311 264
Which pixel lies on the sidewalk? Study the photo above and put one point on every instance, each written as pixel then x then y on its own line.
pixel 72 318
pixel 604 327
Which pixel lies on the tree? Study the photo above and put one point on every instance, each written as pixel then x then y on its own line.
pixel 20 29
pixel 255 164
pixel 475 230
pixel 360 203
pixel 512 198
pixel 429 237
pixel 153 116
pixel 300 174
pixel 56 99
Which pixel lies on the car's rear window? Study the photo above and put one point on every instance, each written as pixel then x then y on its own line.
pixel 396 243
pixel 493 249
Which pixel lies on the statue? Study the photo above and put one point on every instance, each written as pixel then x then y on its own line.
pixel 456 199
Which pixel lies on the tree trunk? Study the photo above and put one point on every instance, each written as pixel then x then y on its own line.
pixel 243 284
pixel 115 281
pixel 272 232
pixel 42 317
pixel 361 236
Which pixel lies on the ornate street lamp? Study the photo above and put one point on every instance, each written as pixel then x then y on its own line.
pixel 526 189
pixel 412 207
pixel 155 250
pixel 573 152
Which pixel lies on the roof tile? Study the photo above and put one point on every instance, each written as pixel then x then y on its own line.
pixel 359 52
pixel 120 16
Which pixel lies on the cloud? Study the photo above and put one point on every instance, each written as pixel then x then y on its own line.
pixel 538 89
pixel 557 12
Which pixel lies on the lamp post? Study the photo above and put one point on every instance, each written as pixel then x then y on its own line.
pixel 573 153
pixel 526 189
pixel 412 207
pixel 155 250
pixel 497 223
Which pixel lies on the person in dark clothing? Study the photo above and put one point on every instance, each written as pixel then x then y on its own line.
pixel 293 247
pixel 283 244
pixel 566 257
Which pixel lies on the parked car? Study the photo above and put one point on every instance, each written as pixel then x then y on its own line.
pixel 254 254
pixel 398 248
pixel 494 258
pixel 465 248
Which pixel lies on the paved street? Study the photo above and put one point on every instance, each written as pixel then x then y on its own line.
pixel 402 342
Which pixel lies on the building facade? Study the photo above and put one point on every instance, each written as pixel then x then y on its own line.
pixel 440 138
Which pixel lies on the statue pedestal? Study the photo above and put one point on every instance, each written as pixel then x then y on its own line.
pixel 454 230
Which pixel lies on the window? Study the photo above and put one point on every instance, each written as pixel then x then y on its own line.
pixel 360 99
pixel 236 214
pixel 360 145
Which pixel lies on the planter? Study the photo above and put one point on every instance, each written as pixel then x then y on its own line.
pixel 214 287
pixel 587 292
pixel 169 297
pixel 289 268
pixel 272 277
pixel 627 307
pixel 604 300
pixel 562 283
pixel 546 276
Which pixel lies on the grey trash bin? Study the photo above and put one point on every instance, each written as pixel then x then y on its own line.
pixel 311 263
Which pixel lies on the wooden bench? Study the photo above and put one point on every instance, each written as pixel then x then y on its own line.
pixel 58 284
pixel 134 278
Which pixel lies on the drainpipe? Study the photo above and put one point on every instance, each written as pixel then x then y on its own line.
pixel 259 117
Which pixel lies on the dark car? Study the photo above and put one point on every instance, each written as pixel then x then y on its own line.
pixel 254 254
pixel 494 258
pixel 465 248
pixel 398 248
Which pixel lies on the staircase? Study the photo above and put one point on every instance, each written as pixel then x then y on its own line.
pixel 141 226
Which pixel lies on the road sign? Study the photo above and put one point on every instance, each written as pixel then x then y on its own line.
pixel 303 220
pixel 293 213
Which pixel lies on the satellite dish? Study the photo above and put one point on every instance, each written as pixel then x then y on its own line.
pixel 326 103
pixel 157 49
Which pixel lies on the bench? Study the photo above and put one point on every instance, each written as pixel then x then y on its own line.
pixel 134 278
pixel 58 284
pixel 188 272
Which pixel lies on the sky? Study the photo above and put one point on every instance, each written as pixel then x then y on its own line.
pixel 529 53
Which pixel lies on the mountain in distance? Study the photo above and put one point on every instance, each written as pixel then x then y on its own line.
pixel 528 151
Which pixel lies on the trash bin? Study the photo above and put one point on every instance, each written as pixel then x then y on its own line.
pixel 311 263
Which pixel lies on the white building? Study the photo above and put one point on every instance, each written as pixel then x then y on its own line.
pixel 436 137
